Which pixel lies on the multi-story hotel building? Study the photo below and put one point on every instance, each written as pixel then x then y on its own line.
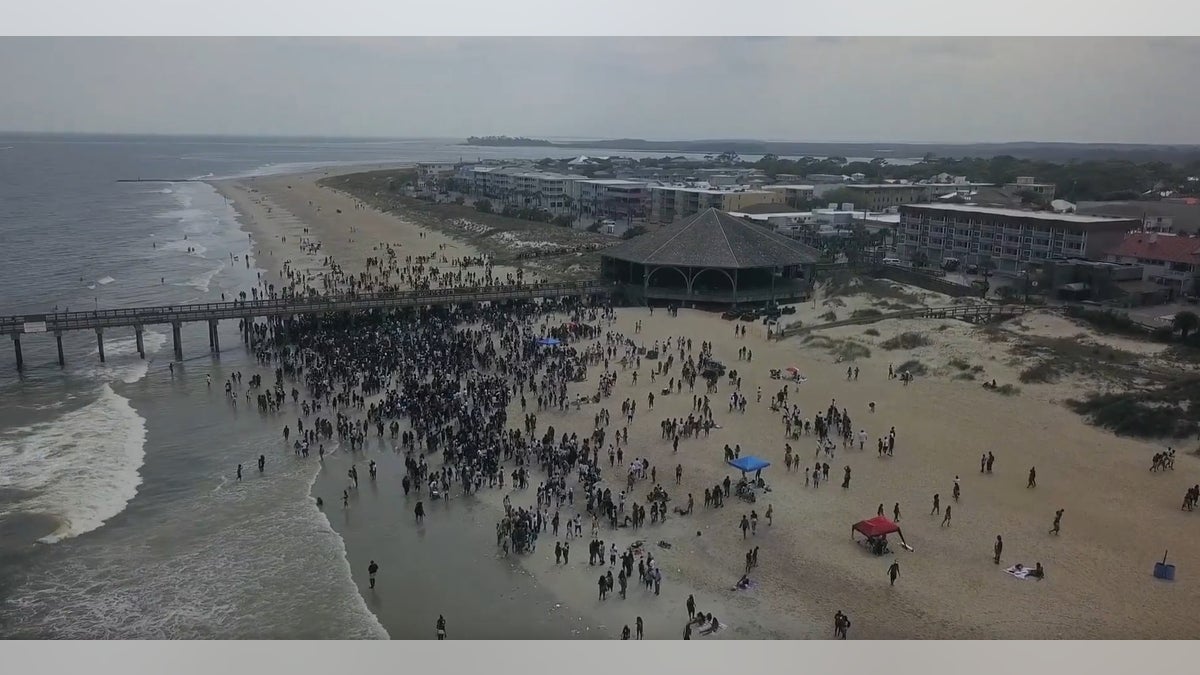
pixel 669 202
pixel 1008 238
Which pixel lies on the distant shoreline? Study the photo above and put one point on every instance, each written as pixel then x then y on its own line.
pixel 1021 150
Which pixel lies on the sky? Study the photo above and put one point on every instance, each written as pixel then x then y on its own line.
pixel 938 90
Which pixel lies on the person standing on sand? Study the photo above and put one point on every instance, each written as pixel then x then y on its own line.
pixel 957 490
pixel 639 628
pixel 687 631
pixel 894 572
pixel 691 607
pixel 896 513
pixel 982 462
pixel 419 511
pixel 937 506
pixel 1057 521
pixel 745 525
pixel 1032 477
pixel 625 632
pixel 371 570
pixel 946 520
pixel 441 627
pixel 998 548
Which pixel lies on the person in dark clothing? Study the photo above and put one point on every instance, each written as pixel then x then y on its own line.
pixel 1032 477
pixel 441 627
pixel 639 628
pixel 998 548
pixel 1057 521
pixel 371 570
pixel 691 607
pixel 239 472
pixel 894 572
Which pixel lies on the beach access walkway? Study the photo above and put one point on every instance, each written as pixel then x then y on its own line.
pixel 248 311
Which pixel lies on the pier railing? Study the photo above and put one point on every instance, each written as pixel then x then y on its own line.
pixel 241 309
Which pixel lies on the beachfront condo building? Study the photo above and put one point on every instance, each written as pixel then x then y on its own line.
pixel 880 196
pixel 522 187
pixel 1171 261
pixel 796 196
pixel 669 203
pixel 1005 239
pixel 616 198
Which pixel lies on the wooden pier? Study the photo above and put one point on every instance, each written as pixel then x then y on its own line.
pixel 248 311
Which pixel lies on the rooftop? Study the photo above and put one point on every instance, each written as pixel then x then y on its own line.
pixel 734 189
pixel 715 239
pixel 787 186
pixel 1171 248
pixel 1016 213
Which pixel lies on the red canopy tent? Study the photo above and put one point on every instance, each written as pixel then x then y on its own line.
pixel 875 527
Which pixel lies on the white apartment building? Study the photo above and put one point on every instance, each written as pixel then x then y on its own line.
pixel 1008 238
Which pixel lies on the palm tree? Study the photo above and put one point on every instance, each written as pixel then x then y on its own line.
pixel 1185 322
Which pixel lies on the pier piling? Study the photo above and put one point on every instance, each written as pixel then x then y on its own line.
pixel 62 361
pixel 100 343
pixel 214 337
pixel 141 347
pixel 16 337
pixel 177 340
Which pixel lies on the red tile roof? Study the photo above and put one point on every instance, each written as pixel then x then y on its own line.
pixel 1148 246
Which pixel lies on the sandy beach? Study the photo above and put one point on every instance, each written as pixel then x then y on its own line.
pixel 1119 517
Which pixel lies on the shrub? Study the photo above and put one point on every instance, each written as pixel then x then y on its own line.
pixel 1007 390
pixel 913 367
pixel 633 232
pixel 1043 373
pixel 829 316
pixel 871 331
pixel 483 206
pixel 865 313
pixel 965 376
pixel 851 351
pixel 959 364
pixel 905 341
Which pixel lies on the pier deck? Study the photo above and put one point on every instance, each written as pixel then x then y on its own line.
pixel 249 310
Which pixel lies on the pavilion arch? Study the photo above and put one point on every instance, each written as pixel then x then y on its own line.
pixel 719 273
pixel 653 271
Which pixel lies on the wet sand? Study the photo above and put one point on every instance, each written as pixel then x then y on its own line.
pixel 1119 517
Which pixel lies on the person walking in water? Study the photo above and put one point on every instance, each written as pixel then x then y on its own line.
pixel 1057 521
pixel 894 572
pixel 441 627
pixel 262 463
pixel 239 472
pixel 998 548
pixel 371 570
pixel 419 511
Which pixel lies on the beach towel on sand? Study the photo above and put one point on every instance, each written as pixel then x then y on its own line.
pixel 1022 573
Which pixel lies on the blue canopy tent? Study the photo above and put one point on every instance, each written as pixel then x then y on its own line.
pixel 548 342
pixel 749 463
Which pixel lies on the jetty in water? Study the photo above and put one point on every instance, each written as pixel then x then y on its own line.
pixel 274 310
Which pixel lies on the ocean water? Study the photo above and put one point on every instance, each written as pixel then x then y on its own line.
pixel 119 513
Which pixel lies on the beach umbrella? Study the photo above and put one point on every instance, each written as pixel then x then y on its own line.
pixel 548 342
pixel 793 370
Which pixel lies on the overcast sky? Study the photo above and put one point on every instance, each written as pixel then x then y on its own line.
pixel 1134 90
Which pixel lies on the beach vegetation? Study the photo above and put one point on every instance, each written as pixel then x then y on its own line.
pixel 829 316
pixel 866 313
pixel 872 332
pixel 634 231
pixel 483 206
pixel 913 367
pixel 1040 373
pixel 965 376
pixel 1171 410
pixel 959 364
pixel 906 340
pixel 1185 322
pixel 1007 390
